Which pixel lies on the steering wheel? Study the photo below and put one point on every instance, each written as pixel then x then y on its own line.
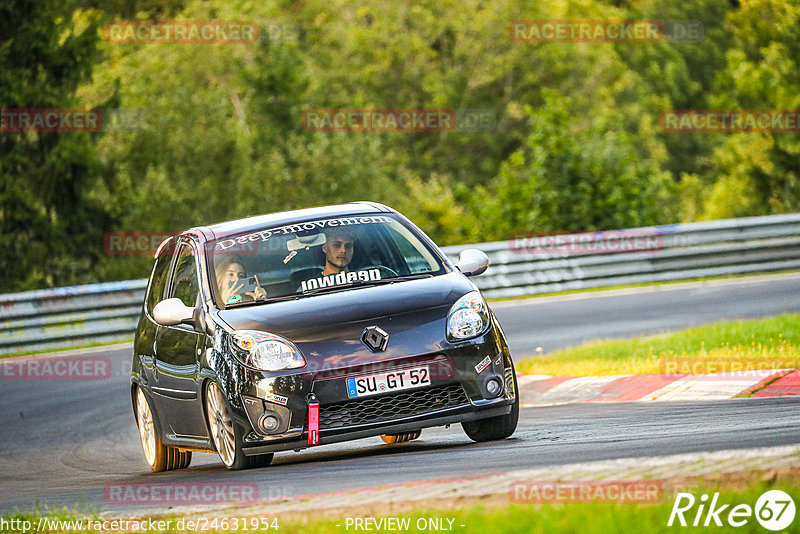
pixel 381 268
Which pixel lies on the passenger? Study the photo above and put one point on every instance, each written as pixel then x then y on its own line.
pixel 230 274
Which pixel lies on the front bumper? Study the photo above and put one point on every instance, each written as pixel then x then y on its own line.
pixel 396 427
pixel 457 393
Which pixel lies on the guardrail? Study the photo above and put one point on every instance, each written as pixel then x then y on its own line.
pixel 69 316
pixel 662 253
pixel 524 265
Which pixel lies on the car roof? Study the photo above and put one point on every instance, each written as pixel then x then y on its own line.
pixel 225 229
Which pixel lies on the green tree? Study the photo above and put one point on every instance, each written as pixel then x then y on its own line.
pixel 565 179
pixel 50 228
pixel 680 71
pixel 759 172
pixel 576 142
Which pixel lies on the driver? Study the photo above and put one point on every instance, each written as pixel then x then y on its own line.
pixel 338 249
pixel 230 280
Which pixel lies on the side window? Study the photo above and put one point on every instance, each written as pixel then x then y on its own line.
pixel 184 284
pixel 158 280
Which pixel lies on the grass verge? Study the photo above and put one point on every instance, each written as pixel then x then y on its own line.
pixel 727 346
pixel 578 518
pixel 494 517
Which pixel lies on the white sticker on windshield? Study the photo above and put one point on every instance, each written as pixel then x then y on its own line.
pixel 341 278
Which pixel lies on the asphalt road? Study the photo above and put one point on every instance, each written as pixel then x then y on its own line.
pixel 63 441
pixel 559 322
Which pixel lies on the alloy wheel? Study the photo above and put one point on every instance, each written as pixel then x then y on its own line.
pixel 147 430
pixel 220 424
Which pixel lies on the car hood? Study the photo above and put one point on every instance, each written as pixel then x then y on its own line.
pixel 330 325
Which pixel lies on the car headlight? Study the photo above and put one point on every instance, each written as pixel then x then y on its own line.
pixel 266 352
pixel 468 317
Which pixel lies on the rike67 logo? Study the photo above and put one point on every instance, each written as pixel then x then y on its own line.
pixel 774 510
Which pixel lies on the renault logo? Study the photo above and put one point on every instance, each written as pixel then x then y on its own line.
pixel 375 338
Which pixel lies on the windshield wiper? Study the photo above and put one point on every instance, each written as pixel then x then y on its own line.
pixel 400 278
pixel 365 283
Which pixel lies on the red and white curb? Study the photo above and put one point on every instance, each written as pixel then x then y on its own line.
pixel 543 390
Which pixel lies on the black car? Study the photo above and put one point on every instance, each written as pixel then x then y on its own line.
pixel 309 327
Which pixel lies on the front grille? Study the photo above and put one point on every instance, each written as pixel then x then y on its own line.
pixel 399 405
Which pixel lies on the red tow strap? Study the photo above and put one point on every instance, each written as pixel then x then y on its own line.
pixel 313 422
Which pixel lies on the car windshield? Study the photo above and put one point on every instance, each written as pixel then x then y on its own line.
pixel 303 259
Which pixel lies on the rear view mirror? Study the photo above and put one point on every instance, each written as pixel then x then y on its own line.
pixel 172 312
pixel 472 262
pixel 305 241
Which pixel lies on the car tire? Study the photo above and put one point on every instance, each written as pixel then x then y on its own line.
pixel 401 438
pixel 159 457
pixel 225 437
pixel 495 428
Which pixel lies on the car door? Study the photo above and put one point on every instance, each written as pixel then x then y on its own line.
pixel 176 355
pixel 147 327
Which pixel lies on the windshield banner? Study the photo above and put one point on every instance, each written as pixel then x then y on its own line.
pixel 341 278
pixel 264 235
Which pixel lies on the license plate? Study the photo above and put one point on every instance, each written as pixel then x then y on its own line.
pixel 410 378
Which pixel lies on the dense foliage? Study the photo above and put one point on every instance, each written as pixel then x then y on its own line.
pixel 574 143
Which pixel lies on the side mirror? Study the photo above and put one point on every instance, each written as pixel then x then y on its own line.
pixel 472 262
pixel 172 311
